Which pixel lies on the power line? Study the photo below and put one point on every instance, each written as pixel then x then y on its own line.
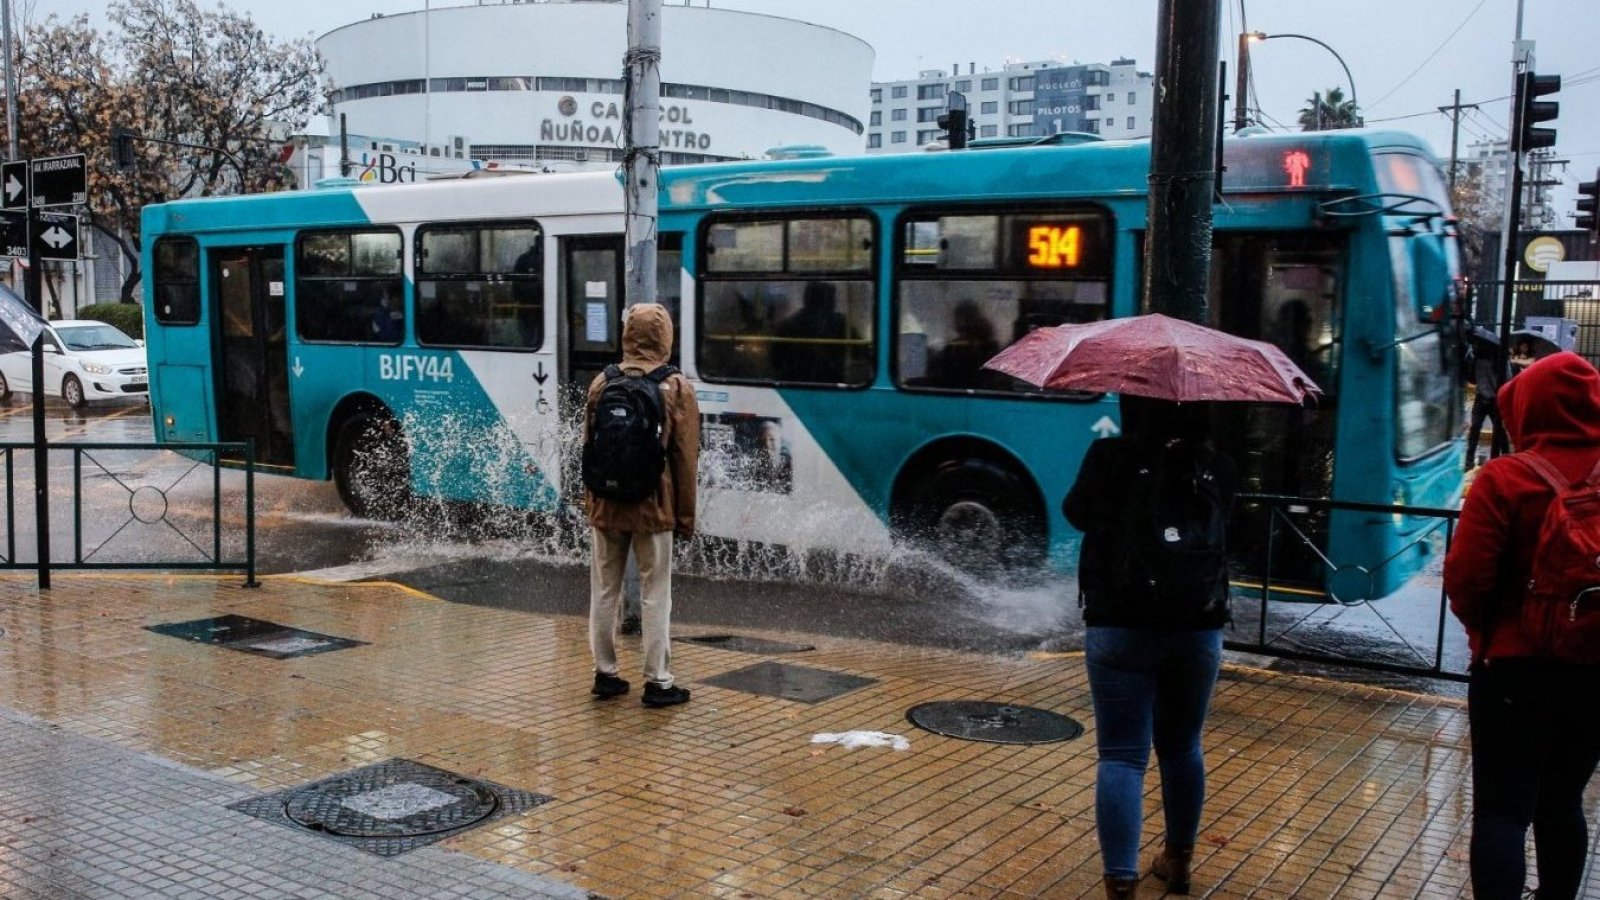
pixel 1424 64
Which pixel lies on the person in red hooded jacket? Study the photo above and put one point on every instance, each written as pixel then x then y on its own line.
pixel 1535 729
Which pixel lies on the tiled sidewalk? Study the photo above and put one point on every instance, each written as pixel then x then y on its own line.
pixel 1317 789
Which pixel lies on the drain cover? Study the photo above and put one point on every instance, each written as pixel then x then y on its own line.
pixel 996 723
pixel 390 807
pixel 256 636
pixel 742 644
pixel 772 679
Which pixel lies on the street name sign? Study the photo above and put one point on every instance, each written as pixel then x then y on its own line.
pixel 57 237
pixel 14 185
pixel 13 232
pixel 58 180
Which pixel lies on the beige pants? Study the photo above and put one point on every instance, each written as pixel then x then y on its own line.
pixel 608 560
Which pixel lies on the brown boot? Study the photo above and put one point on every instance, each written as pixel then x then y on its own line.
pixel 1172 866
pixel 1119 888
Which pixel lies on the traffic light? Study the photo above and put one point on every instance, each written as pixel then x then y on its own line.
pixel 957 126
pixel 122 148
pixel 1588 217
pixel 1535 111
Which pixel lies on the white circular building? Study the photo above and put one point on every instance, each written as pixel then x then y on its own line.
pixel 541 83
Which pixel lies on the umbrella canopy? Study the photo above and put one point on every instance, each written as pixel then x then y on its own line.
pixel 1539 342
pixel 1155 356
pixel 19 323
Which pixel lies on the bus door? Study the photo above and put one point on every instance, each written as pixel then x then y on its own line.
pixel 590 314
pixel 252 351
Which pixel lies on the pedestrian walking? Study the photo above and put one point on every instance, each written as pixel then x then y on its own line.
pixel 641 453
pixel 1153 505
pixel 1485 378
pixel 1519 575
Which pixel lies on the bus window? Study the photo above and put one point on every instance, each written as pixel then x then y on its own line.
pixel 971 285
pixel 760 321
pixel 1427 405
pixel 177 281
pixel 669 285
pixel 348 287
pixel 480 286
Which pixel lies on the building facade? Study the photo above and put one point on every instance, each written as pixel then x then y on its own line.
pixel 540 83
pixel 1033 99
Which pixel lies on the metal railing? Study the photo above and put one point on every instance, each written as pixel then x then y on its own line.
pixel 1578 301
pixel 1292 622
pixel 143 515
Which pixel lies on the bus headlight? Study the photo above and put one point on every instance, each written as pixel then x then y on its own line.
pixel 95 368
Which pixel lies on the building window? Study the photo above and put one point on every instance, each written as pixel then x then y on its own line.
pixel 988 131
pixel 1019 130
pixel 929 113
pixel 177 281
pixel 991 84
pixel 1091 125
pixel 899 137
pixel 480 286
pixel 897 115
pixel 1091 101
pixel 1021 83
pixel 930 91
pixel 1111 97
pixel 877 118
pixel 788 301
pixel 1132 98
pixel 989 107
pixel 1131 126
pixel 898 93
pixel 964 85
pixel 928 137
pixel 349 287
pixel 874 141
pixel 877 95
pixel 1020 107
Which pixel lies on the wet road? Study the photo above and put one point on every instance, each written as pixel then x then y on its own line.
pixel 515 561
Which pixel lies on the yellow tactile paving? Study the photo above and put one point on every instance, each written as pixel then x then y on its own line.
pixel 1318 789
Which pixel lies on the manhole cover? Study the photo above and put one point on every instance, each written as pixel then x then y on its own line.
pixel 997 723
pixel 742 644
pixel 789 682
pixel 255 636
pixel 390 807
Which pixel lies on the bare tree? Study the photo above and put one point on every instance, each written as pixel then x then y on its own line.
pixel 209 95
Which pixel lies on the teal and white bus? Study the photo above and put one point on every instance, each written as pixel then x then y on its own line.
pixel 425 340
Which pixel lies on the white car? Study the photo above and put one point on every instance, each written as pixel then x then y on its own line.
pixel 83 361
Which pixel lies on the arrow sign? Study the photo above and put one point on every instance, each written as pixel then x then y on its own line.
pixel 298 369
pixel 13 233
pixel 14 185
pixel 57 237
pixel 1105 427
pixel 540 374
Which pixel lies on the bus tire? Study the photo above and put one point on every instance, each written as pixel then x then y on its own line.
pixel 372 467
pixel 977 515
pixel 72 392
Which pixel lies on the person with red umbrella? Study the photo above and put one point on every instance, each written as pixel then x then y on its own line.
pixel 1153 505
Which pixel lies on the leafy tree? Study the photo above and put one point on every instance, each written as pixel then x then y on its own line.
pixel 209 94
pixel 1328 113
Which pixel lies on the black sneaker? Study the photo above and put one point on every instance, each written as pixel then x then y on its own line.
pixel 655 695
pixel 630 625
pixel 608 686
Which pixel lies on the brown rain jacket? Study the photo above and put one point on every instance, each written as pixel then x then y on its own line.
pixel 646 344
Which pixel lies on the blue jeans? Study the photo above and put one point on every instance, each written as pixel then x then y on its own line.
pixel 1149 687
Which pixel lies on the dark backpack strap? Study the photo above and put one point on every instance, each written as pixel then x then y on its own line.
pixel 662 373
pixel 613 372
pixel 1547 470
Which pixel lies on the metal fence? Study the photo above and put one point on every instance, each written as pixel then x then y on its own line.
pixel 1578 301
pixel 1409 632
pixel 138 506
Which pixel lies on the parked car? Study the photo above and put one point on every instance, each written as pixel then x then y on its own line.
pixel 84 361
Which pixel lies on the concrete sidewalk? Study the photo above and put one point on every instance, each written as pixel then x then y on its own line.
pixel 136 760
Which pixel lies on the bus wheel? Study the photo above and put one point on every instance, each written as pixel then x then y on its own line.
pixel 976 515
pixel 372 469
pixel 72 392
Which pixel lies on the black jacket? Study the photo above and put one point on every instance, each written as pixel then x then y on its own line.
pixel 1095 506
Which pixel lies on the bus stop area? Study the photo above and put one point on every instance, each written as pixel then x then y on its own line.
pixel 185 736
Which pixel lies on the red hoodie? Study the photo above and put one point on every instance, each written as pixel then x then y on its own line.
pixel 1553 409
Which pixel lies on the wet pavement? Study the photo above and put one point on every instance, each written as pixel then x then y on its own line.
pixel 136 755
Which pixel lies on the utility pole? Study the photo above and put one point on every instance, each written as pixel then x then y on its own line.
pixel 11 83
pixel 1183 159
pixel 1241 87
pixel 642 150
pixel 1541 164
pixel 1454 111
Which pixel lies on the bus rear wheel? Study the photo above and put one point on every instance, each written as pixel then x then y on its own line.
pixel 372 468
pixel 979 516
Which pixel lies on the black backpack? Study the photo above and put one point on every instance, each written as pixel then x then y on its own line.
pixel 1170 562
pixel 623 458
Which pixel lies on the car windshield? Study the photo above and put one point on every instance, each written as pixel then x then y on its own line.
pixel 94 337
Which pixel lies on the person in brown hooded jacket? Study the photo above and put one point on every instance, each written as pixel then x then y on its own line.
pixel 1535 732
pixel 648 525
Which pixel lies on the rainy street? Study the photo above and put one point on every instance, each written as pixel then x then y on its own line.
pixel 510 560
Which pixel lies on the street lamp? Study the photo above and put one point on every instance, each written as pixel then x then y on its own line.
pixel 1249 37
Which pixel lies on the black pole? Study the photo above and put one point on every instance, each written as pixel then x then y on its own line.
pixel 1242 87
pixel 1183 160
pixel 1508 297
pixel 344 148
pixel 41 453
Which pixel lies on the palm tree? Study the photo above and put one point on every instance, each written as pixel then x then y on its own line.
pixel 1330 112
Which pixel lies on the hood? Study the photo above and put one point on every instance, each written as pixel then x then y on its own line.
pixel 127 356
pixel 1553 403
pixel 646 336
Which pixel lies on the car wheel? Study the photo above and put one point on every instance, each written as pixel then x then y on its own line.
pixel 977 515
pixel 372 467
pixel 5 388
pixel 72 391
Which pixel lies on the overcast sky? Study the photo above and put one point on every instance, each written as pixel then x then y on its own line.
pixel 1407 57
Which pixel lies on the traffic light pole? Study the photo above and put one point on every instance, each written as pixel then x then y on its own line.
pixel 41 451
pixel 1508 249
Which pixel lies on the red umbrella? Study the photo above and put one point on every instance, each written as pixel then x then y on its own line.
pixel 1155 356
